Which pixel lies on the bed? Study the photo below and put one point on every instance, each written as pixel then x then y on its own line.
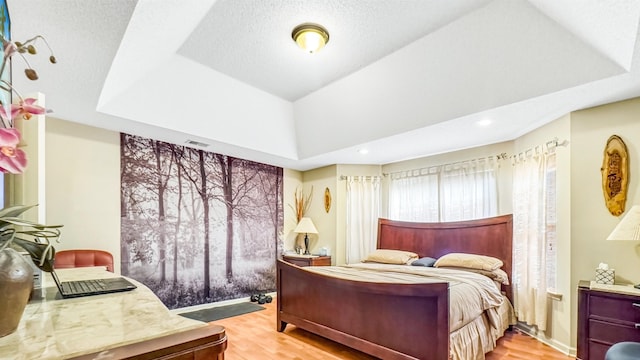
pixel 394 320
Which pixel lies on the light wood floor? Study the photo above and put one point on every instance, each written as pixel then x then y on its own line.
pixel 254 336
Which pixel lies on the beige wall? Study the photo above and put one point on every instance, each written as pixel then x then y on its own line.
pixel 316 181
pixel 591 221
pixel 83 186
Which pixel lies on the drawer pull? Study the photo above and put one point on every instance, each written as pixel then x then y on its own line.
pixel 636 305
pixel 637 326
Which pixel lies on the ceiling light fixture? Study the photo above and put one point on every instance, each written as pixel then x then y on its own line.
pixel 310 37
pixel 484 122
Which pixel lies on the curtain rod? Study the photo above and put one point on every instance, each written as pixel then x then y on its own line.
pixel 435 167
pixel 502 156
pixel 366 177
pixel 551 144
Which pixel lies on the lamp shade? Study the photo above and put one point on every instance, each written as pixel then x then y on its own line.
pixel 305 226
pixel 629 227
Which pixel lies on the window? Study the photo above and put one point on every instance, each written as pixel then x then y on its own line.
pixel 414 197
pixel 461 191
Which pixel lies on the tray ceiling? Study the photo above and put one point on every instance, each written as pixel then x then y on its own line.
pixel 402 78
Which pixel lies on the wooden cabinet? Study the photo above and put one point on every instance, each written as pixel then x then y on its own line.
pixel 607 314
pixel 308 260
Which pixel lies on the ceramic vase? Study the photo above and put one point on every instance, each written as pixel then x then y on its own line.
pixel 16 284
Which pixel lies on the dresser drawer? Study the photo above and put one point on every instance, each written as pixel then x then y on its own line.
pixel 612 332
pixel 620 308
pixel 299 262
pixel 597 350
pixel 308 261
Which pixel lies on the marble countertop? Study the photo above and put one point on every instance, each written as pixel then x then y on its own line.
pixel 619 289
pixel 56 328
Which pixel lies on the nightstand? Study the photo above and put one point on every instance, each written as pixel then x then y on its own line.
pixel 308 260
pixel 607 314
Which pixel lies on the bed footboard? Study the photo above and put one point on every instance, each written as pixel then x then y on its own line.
pixel 389 321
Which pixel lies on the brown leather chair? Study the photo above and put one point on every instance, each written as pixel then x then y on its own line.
pixel 83 258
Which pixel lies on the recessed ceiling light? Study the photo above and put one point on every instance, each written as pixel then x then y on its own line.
pixel 310 37
pixel 484 122
pixel 363 151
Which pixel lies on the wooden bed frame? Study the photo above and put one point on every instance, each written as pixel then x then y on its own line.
pixel 390 321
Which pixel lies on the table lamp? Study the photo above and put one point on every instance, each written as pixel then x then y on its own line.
pixel 306 227
pixel 628 228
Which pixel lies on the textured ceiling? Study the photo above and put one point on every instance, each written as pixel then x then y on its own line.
pixel 256 46
pixel 402 78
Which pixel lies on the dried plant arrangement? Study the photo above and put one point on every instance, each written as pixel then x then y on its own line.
pixel 302 203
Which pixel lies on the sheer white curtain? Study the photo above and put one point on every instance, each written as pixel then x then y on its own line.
pixel 469 190
pixel 460 191
pixel 533 235
pixel 414 197
pixel 363 210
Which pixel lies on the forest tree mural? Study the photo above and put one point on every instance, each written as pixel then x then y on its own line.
pixel 198 227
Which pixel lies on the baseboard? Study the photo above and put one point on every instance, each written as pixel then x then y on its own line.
pixel 214 304
pixel 534 333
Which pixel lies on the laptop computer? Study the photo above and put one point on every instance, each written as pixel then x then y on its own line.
pixel 71 289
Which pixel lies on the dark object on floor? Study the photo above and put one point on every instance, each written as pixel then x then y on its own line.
pixel 222 312
pixel 626 350
pixel 261 298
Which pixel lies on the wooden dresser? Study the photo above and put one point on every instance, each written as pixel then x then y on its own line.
pixel 607 314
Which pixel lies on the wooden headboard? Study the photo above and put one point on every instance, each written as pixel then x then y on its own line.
pixel 491 236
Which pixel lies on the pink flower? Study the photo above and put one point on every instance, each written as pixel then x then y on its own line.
pixel 26 108
pixel 12 159
pixel 10 48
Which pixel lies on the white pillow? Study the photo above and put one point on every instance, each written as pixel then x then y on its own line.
pixel 471 261
pixel 389 256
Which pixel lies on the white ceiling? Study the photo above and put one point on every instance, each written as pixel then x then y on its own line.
pixel 403 79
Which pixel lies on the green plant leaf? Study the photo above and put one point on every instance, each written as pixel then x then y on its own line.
pixel 14 211
pixel 41 254
pixel 33 237
pixel 22 222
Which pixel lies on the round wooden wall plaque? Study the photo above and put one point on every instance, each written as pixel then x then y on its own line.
pixel 615 175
